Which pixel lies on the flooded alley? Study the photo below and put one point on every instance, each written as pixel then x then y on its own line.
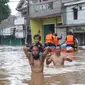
pixel 15 69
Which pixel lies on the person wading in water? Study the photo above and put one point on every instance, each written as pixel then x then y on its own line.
pixel 56 58
pixel 36 61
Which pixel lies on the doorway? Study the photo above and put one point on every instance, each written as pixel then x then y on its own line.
pixel 47 29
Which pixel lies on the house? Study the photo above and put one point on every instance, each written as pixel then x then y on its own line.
pixel 22 7
pixel 19 28
pixel 11 34
pixel 45 16
pixel 73 19
pixel 6 30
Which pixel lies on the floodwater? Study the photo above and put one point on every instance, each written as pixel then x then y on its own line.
pixel 15 69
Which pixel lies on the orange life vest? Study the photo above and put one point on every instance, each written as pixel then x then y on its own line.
pixel 70 39
pixel 49 39
pixel 56 41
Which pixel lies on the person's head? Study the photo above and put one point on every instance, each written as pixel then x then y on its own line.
pixel 55 34
pixel 50 32
pixel 37 38
pixel 70 33
pixel 35 50
pixel 57 50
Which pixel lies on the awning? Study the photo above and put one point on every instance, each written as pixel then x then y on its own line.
pixel 70 25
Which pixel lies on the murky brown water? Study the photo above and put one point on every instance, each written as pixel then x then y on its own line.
pixel 15 70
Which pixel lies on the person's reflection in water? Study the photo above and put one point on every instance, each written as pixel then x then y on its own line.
pixel 37 78
pixel 36 61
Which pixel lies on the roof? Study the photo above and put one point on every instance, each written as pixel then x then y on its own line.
pixel 21 4
pixel 65 1
pixel 9 22
pixel 74 2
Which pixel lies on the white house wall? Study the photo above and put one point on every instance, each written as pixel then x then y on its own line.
pixel 19 21
pixel 19 33
pixel 81 14
pixel 6 31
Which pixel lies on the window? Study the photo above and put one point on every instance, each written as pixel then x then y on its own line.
pixel 44 0
pixel 75 13
pixel 80 7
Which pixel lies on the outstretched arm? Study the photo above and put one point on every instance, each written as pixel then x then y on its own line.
pixel 59 38
pixel 48 61
pixel 64 41
pixel 68 59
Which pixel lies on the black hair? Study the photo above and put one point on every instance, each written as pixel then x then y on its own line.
pixel 51 32
pixel 55 34
pixel 37 35
pixel 70 33
pixel 35 46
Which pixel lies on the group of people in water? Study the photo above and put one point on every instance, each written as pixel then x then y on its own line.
pixel 37 54
pixel 53 40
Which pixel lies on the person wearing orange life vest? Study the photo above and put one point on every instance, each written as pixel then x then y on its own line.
pixel 49 40
pixel 70 40
pixel 56 39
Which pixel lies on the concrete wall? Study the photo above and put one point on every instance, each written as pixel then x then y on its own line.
pixel 47 8
pixel 37 24
pixel 81 14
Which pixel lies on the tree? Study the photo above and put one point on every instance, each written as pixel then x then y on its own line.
pixel 4 10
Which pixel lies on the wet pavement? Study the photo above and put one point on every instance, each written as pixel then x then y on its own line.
pixel 15 69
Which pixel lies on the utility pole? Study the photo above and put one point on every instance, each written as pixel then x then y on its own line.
pixel 27 21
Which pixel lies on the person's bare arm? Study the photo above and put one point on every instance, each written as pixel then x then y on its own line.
pixel 68 59
pixel 46 52
pixel 64 42
pixel 27 52
pixel 48 61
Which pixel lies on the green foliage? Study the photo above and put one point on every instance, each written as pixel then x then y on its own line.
pixel 4 10
pixel 4 1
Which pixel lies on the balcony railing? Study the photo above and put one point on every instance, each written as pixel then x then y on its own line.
pixel 47 8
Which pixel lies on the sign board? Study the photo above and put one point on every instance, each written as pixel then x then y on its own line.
pixel 42 7
pixel 6 31
pixel 19 21
pixel 19 33
pixel 79 29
